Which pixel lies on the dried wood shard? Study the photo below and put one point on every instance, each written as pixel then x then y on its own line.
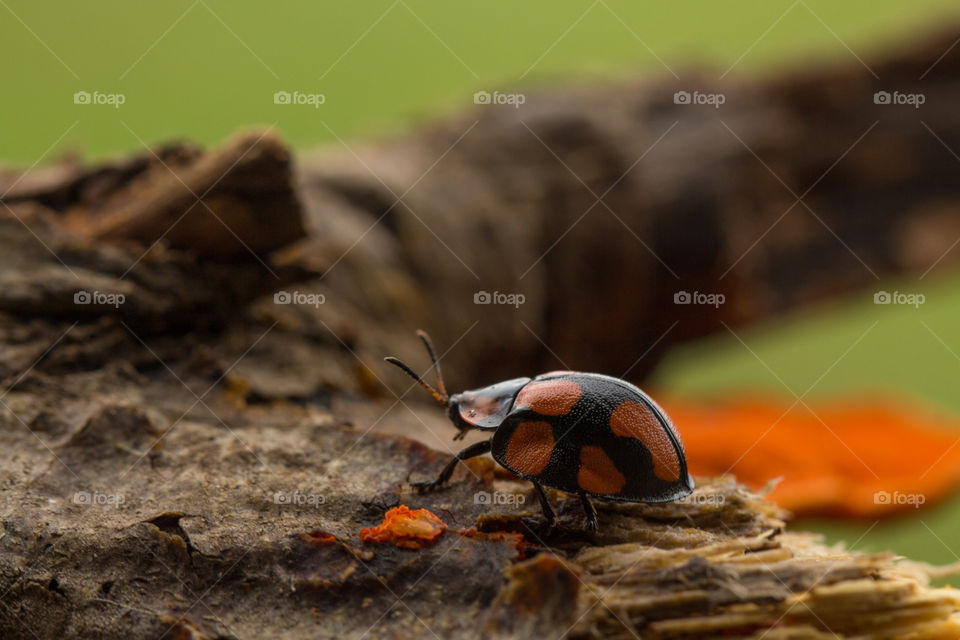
pixel 788 586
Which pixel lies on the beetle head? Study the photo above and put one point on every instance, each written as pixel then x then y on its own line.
pixel 478 409
pixel 484 408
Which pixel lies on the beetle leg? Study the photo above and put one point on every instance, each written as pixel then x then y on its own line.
pixel 591 512
pixel 548 512
pixel 472 451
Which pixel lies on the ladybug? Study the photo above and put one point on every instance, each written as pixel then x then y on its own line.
pixel 583 433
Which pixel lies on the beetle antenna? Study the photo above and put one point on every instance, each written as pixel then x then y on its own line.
pixel 442 399
pixel 433 358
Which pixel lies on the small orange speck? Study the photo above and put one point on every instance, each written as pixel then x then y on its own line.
pixel 319 538
pixel 406 528
pixel 510 537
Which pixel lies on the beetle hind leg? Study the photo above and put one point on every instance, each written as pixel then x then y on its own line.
pixel 548 511
pixel 472 451
pixel 590 511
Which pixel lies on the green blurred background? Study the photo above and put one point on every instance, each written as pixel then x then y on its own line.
pixel 201 70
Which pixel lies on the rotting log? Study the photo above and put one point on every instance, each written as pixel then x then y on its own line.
pixel 696 199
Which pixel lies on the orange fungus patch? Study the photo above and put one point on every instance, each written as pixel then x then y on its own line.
pixel 406 528
pixel 865 457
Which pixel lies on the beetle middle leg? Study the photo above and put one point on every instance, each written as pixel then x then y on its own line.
pixel 472 451
pixel 590 511
pixel 548 511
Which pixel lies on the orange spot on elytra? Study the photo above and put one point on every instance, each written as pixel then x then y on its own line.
pixel 635 420
pixel 405 528
pixel 530 448
pixel 598 474
pixel 550 397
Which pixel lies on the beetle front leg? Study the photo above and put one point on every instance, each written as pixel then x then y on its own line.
pixel 472 451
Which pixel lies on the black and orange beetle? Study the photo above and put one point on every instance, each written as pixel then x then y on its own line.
pixel 583 433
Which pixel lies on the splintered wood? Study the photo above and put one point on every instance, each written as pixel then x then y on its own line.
pixel 691 582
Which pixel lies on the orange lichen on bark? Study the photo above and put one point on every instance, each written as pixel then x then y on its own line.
pixel 860 458
pixel 406 528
